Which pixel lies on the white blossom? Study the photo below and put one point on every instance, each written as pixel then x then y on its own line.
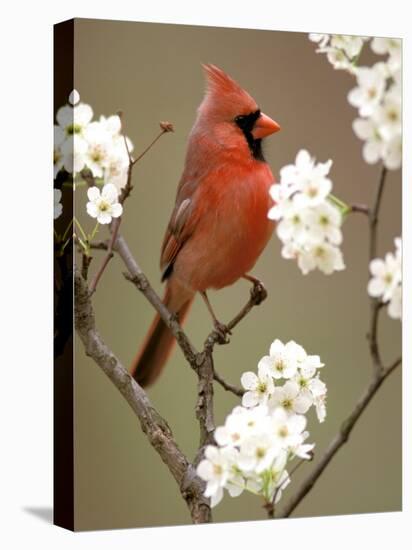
pixel 256 443
pixel 214 469
pixel 259 386
pixel 308 223
pixel 390 46
pixel 321 39
pixel 104 205
pixel 377 95
pixel 97 145
pixel 258 452
pixel 323 223
pixel 74 151
pixel 368 130
pixel 385 277
pixel 351 45
pixel 74 120
pixel 240 424
pixel 341 50
pixel 386 281
pixel 287 428
pixel 58 208
pixel 395 304
pixel 392 153
pixel 98 148
pixel 388 115
pixel 369 92
pixel 324 256
pixel 290 398
pixel 282 361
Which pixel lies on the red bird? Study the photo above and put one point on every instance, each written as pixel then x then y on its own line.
pixel 219 225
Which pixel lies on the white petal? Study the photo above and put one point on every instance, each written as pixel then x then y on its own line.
pixel 234 490
pixel 303 159
pixel 92 209
pixel 82 114
pixel 376 287
pixel 93 193
pixel 265 363
pixel 302 403
pixel 74 97
pixel 216 498
pixel 250 399
pixel 64 116
pixel 363 128
pixel 222 436
pixel 249 380
pixel 212 453
pixel 371 152
pixel 104 218
pixel 205 470
pixel 110 193
pixel 116 210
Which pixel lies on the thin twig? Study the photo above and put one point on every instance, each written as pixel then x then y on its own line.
pixel 125 193
pixel 374 215
pixel 115 230
pixel 165 128
pixel 257 295
pixel 271 505
pixel 228 387
pixel 339 440
pixel 99 245
pixel 375 304
pixel 360 209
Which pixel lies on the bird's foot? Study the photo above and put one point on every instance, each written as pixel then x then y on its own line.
pixel 222 333
pixel 258 292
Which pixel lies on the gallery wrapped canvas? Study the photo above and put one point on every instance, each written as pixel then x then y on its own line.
pixel 228 274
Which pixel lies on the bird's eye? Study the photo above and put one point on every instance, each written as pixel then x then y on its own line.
pixel 240 118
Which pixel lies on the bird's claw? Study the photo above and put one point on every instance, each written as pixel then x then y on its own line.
pixel 222 333
pixel 258 292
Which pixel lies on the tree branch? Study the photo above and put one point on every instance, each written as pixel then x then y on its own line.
pixel 380 372
pixel 153 425
pixel 201 363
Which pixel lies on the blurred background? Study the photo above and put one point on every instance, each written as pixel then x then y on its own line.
pixel 152 72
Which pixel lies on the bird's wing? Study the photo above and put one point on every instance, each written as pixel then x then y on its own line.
pixel 181 225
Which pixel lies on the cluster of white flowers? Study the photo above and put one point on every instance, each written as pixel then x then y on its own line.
pixel 262 436
pixel 377 95
pixel 341 50
pixel 82 143
pixel 309 223
pixel 386 281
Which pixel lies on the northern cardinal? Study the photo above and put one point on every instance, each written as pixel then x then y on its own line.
pixel 219 225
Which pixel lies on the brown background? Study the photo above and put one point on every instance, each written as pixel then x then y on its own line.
pixel 152 72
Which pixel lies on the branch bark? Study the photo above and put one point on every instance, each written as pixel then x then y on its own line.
pixel 153 425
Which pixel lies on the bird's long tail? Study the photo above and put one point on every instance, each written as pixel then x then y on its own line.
pixel 159 341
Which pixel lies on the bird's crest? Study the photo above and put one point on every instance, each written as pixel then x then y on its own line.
pixel 221 84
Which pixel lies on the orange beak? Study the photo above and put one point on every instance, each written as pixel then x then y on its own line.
pixel 264 126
